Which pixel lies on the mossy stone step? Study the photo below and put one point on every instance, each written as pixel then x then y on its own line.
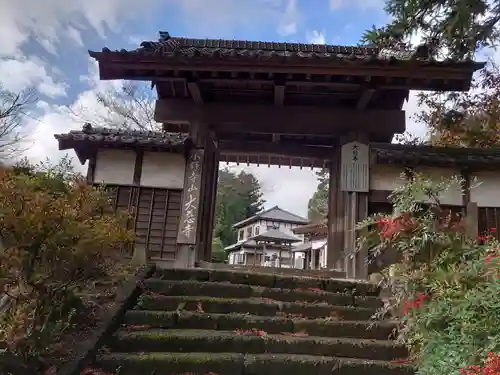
pixel 243 364
pixel 193 340
pixel 226 322
pixel 269 280
pixel 252 306
pixel 227 290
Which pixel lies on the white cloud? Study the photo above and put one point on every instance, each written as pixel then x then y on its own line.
pixel 47 20
pixel 220 17
pixel 289 188
pixel 316 37
pixel 29 72
pixel 412 108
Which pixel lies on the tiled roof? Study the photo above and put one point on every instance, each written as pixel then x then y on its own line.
pixel 387 153
pixel 123 137
pixel 171 47
pixel 275 235
pixel 274 214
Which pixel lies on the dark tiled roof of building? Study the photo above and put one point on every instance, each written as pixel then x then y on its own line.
pixel 388 153
pixel 122 137
pixel 275 236
pixel 172 47
pixel 273 214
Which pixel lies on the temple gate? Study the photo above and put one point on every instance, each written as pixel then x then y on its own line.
pixel 286 104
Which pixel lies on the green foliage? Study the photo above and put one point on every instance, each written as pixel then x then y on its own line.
pixel 239 196
pixel 317 207
pixel 458 27
pixel 57 234
pixel 445 286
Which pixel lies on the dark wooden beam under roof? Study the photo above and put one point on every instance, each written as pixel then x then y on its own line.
pixel 279 95
pixel 280 149
pixel 195 92
pixel 268 119
pixel 365 98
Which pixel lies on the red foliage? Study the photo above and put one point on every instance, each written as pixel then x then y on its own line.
pixel 491 366
pixel 402 361
pixel 199 308
pixel 296 334
pixel 93 371
pixel 138 327
pixel 250 332
pixel 414 303
pixel 391 227
pixel 269 300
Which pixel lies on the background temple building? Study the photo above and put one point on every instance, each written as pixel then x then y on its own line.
pixel 269 103
pixel 266 238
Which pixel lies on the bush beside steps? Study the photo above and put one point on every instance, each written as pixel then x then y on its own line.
pixel 209 322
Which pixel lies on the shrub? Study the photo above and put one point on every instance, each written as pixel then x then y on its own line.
pixel 57 233
pixel 445 288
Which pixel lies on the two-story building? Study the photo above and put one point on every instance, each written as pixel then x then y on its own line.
pixel 266 238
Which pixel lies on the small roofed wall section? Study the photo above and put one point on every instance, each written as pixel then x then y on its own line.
pixel 479 169
pixel 145 173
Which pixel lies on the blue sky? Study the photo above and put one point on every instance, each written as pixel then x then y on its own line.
pixel 44 47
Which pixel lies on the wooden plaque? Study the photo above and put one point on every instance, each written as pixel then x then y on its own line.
pixel 355 168
pixel 188 224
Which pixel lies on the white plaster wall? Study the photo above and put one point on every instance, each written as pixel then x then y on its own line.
pixel 485 189
pixel 163 170
pixel 453 196
pixel 385 177
pixel 115 167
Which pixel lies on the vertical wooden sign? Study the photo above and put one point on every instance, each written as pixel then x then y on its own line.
pixel 355 168
pixel 188 225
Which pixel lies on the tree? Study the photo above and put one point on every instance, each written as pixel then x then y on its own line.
pixel 130 105
pixel 317 207
pixel 239 196
pixel 452 28
pixel 58 234
pixel 456 29
pixel 13 109
pixel 470 119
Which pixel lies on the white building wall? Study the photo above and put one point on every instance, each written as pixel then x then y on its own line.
pixel 159 169
pixel 163 170
pixel 115 167
pixel 387 177
pixel 485 189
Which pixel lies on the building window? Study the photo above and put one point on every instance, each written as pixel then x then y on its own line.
pixel 249 232
pixel 257 230
pixel 240 235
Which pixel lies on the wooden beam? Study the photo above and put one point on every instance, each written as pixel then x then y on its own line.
pixel 195 92
pixel 108 69
pixel 365 98
pixel 275 149
pixel 279 95
pixel 269 119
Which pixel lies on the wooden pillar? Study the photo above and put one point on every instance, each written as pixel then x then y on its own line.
pixel 191 225
pixel 348 204
pixel 208 196
pixel 335 242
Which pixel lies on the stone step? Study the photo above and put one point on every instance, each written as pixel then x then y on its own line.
pixel 270 280
pixel 252 342
pixel 276 324
pixel 244 364
pixel 253 306
pixel 227 290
